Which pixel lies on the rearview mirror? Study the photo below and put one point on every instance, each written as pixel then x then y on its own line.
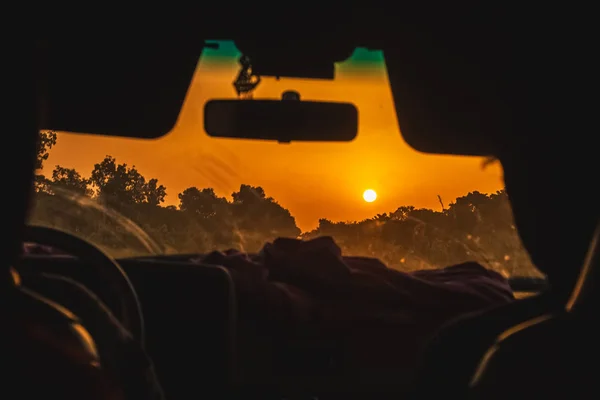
pixel 281 120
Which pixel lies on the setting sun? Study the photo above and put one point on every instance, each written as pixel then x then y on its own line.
pixel 369 195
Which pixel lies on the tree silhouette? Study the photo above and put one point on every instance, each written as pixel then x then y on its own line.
pixel 118 183
pixel 468 211
pixel 154 193
pixel 46 140
pixel 254 211
pixel 402 213
pixel 248 195
pixel 71 180
pixel 201 203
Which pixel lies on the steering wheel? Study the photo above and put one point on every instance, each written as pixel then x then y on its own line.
pixel 115 282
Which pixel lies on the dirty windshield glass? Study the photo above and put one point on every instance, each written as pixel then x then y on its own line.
pixel 190 193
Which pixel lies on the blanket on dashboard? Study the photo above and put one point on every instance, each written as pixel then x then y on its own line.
pixel 313 280
pixel 381 316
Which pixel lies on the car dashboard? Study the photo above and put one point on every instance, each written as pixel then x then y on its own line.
pixel 191 317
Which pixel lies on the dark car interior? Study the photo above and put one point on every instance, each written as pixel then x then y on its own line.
pixel 458 89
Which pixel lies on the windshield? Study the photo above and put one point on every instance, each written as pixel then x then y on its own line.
pixel 190 193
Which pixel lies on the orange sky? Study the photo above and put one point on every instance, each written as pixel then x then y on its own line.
pixel 312 180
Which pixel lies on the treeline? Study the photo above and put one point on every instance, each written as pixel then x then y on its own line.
pixel 476 226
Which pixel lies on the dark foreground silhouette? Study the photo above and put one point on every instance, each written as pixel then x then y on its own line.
pixel 362 314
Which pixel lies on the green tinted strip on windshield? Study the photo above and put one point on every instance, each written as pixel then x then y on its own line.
pixel 362 61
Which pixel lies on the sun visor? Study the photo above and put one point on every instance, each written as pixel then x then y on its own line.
pixel 129 86
pixel 450 90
